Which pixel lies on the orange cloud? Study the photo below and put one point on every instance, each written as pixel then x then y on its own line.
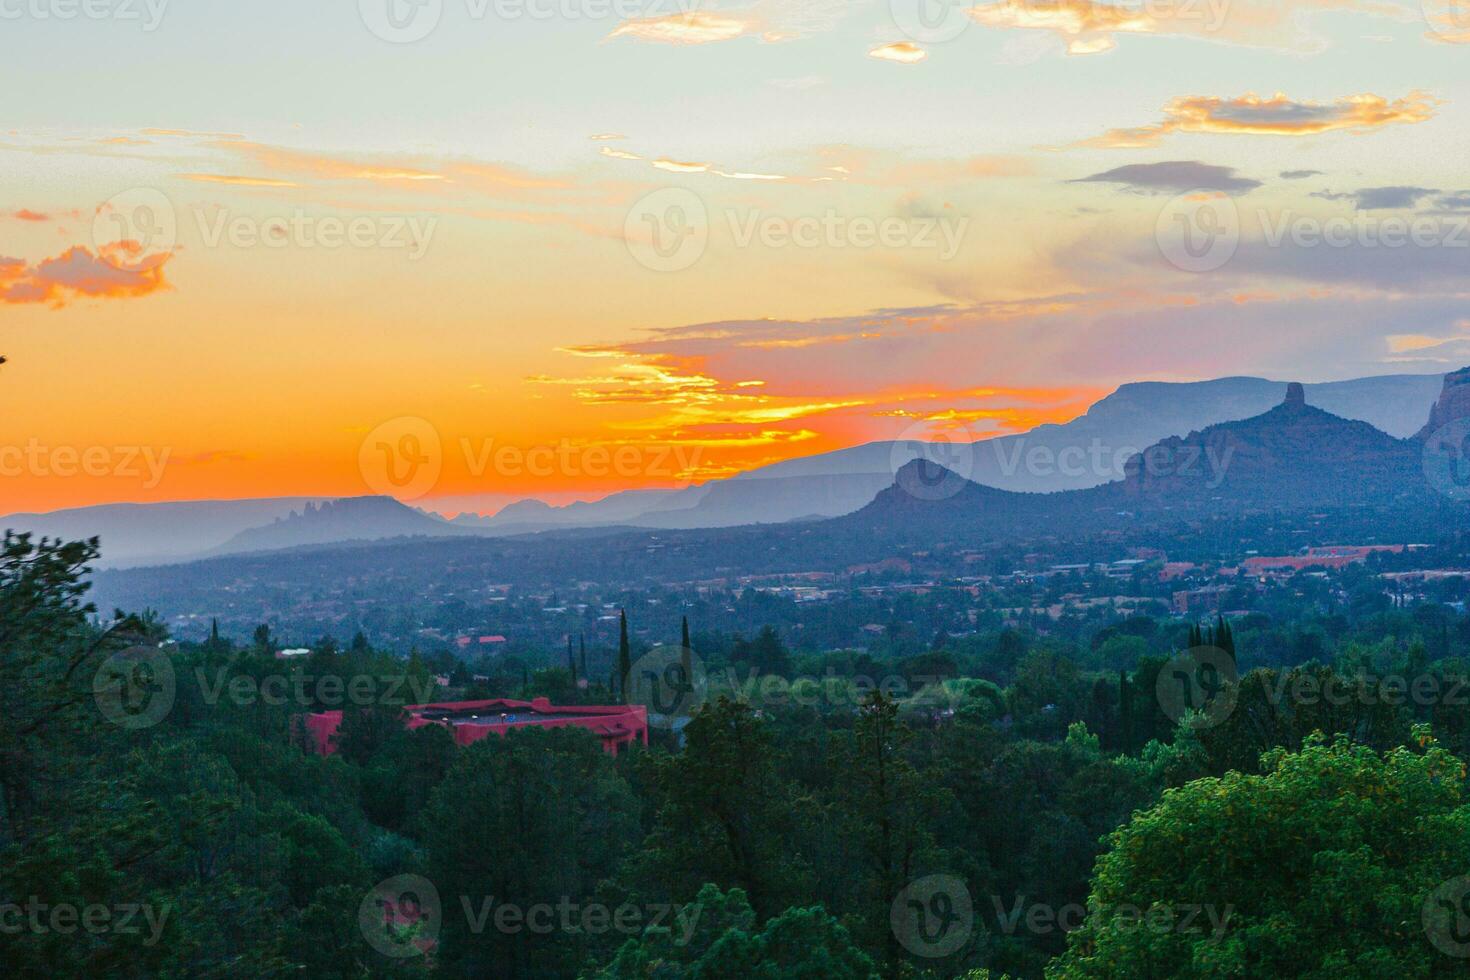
pixel 26 214
pixel 902 52
pixel 239 181
pixel 1449 21
pixel 695 27
pixel 118 270
pixel 1277 116
pixel 1091 27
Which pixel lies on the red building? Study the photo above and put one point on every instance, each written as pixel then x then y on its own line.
pixel 470 721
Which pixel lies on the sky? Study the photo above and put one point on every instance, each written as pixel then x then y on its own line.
pixel 470 251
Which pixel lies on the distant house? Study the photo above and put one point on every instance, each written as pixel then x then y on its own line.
pixel 293 653
pixel 615 725
pixel 490 640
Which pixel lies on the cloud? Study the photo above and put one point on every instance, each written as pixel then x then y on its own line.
pixel 330 167
pixel 1299 174
pixel 1091 27
pixel 607 136
pixel 1380 198
pixel 679 167
pixel 1457 201
pixel 238 181
pixel 1173 176
pixel 694 27
pixel 1277 116
pixel 609 151
pixel 1449 21
pixel 117 271
pixel 26 214
pixel 902 52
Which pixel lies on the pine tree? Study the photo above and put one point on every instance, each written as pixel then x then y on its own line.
pixel 625 656
pixel 1125 712
pixel 214 634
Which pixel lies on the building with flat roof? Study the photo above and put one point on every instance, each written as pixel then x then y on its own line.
pixel 469 721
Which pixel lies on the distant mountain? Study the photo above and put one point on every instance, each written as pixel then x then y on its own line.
pixel 140 534
pixel 1291 458
pixel 338 521
pixel 1089 451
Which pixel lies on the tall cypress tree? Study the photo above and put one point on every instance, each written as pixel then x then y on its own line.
pixel 1125 712
pixel 685 641
pixel 582 647
pixel 686 657
pixel 571 661
pixel 625 656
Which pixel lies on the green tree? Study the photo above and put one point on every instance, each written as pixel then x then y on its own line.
pixel 1318 867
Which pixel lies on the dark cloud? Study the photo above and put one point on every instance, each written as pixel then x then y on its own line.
pixel 1380 198
pixel 1299 174
pixel 1173 177
pixel 1457 201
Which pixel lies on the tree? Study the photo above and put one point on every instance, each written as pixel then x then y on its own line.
pixel 1321 866
pixel 723 813
pixel 725 944
pixel 538 816
pixel 625 656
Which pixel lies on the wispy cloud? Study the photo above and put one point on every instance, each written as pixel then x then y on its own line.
pixel 1277 116
pixel 238 181
pixel 1174 177
pixel 1092 27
